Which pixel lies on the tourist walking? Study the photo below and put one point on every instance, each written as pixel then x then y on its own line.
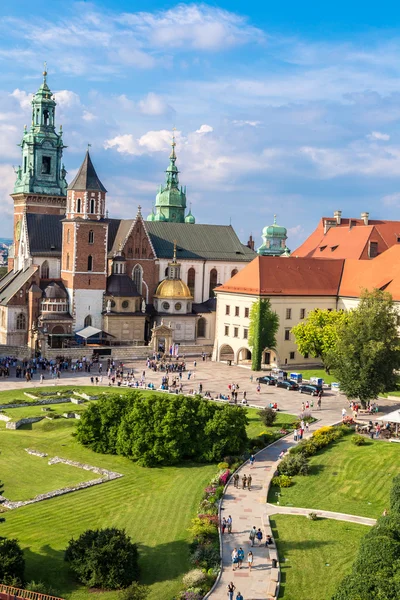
pixel 229 524
pixel 223 525
pixel 252 535
pixel 250 559
pixel 240 557
pixel 249 479
pixel 344 414
pixel 244 481
pixel 234 559
pixel 239 596
pixel 231 589
pixel 236 480
pixel 259 536
pixel 252 459
pixel 295 435
pixel 319 403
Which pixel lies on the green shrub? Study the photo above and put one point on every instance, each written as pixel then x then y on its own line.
pixel 206 556
pixel 293 464
pixel 202 529
pixel 282 481
pixel 358 440
pixel 103 558
pixel 313 516
pixel 267 416
pixel 395 495
pixel 194 578
pixel 219 492
pixel 222 466
pixel 135 591
pixel 256 443
pixel 12 563
pixel 40 588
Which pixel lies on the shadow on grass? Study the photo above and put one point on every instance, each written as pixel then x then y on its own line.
pixel 48 566
pixel 164 561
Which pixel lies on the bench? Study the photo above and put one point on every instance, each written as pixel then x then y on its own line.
pixel 394 440
pixel 272 589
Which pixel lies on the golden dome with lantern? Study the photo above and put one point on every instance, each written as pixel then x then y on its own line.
pixel 173 286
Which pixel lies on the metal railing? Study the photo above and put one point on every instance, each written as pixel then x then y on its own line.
pixel 8 592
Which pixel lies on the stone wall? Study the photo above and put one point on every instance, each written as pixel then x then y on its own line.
pixel 18 424
pixel 20 352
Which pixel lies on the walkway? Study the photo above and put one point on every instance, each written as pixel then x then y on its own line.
pixel 273 509
pixel 250 508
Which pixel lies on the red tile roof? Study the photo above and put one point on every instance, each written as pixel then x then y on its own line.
pixel 350 239
pixel 277 276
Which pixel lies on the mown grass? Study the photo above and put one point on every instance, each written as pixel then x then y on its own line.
pixel 314 555
pixel 255 426
pixel 346 478
pixel 307 373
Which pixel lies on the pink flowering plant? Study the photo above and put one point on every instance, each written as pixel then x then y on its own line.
pixel 223 479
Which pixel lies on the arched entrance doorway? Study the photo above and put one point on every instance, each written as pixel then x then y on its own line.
pixel 243 356
pixel 269 358
pixel 226 353
pixel 56 337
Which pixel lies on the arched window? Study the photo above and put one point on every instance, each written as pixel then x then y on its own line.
pixel 21 321
pixel 234 272
pixel 78 205
pixel 137 276
pixel 91 236
pixel 92 206
pixel 201 327
pixel 67 262
pixel 44 270
pixel 88 321
pixel 213 282
pixel 191 279
pixel 90 263
pixel 166 272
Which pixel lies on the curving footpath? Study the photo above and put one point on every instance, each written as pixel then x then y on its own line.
pixel 250 508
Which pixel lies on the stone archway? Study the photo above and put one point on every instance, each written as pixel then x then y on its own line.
pixel 226 353
pixel 243 356
pixel 270 358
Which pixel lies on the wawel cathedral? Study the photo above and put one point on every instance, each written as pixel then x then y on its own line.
pixel 78 276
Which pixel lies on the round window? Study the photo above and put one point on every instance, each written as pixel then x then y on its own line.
pixel 125 304
pixel 165 305
pixel 112 303
pixel 178 306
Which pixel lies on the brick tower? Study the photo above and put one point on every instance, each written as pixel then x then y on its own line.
pixel 84 247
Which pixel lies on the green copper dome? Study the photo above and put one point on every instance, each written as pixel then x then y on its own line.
pixel 171 198
pixel 190 218
pixel 151 216
pixel 275 230
pixel 159 217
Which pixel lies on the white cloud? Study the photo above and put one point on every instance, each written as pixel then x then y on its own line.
pixel 377 135
pixel 7 180
pixel 23 98
pixel 152 141
pixel 240 123
pixel 153 104
pixel 205 129
pixel 67 98
pixel 88 116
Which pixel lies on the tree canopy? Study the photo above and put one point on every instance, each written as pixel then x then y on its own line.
pixel 160 429
pixel 318 334
pixel 103 558
pixel 368 348
pixel 264 325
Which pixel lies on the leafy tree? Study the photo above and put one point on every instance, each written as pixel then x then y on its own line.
pixel 368 348
pixel 264 325
pixel 103 558
pixel 267 416
pixel 318 334
pixel 12 563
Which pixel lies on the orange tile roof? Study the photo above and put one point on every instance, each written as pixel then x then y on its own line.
pixel 277 276
pixel 342 241
pixel 382 273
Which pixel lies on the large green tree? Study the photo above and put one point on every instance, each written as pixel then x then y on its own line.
pixel 318 334
pixel 368 348
pixel 264 325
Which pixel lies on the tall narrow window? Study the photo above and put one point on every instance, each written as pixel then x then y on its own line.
pixel 92 206
pixel 67 262
pixel 90 263
pixel 91 236
pixel 213 282
pixel 88 321
pixel 21 321
pixel 46 165
pixel 201 327
pixel 68 235
pixel 25 163
pixel 137 276
pixel 44 270
pixel 78 205
pixel 191 280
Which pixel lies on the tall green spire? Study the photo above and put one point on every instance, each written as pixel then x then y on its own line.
pixel 42 171
pixel 171 198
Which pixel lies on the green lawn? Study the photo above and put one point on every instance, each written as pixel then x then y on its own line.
pixel 314 555
pixel 307 373
pixel 153 505
pixel 346 478
pixel 255 426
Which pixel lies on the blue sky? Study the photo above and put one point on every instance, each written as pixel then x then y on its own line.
pixel 289 108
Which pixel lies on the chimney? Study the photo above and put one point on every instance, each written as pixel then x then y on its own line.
pixel 365 217
pixel 250 243
pixel 338 216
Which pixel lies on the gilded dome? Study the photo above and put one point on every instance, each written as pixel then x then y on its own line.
pixel 173 288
